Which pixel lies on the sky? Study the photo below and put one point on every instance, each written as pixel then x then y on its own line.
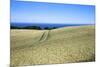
pixel 39 12
pixel 84 2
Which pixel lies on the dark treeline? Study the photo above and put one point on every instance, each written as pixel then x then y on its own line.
pixel 33 27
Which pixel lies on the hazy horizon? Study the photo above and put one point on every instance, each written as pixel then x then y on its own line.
pixel 44 25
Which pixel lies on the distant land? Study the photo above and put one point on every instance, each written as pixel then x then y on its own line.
pixel 43 25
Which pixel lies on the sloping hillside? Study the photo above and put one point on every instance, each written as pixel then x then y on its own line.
pixel 63 45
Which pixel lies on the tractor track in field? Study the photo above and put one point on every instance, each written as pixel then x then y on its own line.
pixel 43 37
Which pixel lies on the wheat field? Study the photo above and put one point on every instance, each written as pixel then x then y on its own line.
pixel 62 45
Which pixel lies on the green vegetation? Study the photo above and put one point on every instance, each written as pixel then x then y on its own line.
pixel 32 27
pixel 26 27
pixel 62 45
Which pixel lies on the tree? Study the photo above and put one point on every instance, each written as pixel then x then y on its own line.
pixel 32 27
pixel 15 27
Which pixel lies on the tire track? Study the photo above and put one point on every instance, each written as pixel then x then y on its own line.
pixel 44 36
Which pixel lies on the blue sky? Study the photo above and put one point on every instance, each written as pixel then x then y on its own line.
pixel 38 12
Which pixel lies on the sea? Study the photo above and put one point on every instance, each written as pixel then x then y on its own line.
pixel 43 25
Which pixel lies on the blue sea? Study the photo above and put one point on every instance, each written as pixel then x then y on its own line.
pixel 43 25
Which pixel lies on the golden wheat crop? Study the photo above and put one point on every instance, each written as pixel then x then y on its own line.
pixel 63 45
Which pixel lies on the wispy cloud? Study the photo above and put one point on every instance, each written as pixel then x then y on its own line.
pixel 83 2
